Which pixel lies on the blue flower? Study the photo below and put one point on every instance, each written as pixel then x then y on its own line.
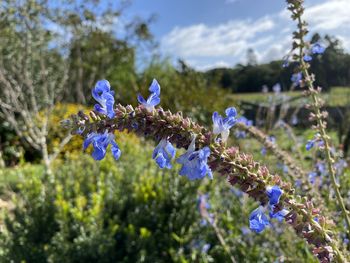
pixel 317 49
pixel 309 144
pixel 274 193
pixel 278 215
pixel 245 121
pixel 163 154
pixel 307 58
pixel 223 125
pixel 194 163
pixel 100 143
pixel 258 220
pixel 312 177
pixel 321 168
pixel 103 94
pixel 296 78
pixel 153 99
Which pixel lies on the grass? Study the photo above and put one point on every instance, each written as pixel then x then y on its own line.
pixel 338 96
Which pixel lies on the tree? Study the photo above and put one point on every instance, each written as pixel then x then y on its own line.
pixel 32 74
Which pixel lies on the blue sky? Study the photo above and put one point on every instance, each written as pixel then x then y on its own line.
pixel 210 33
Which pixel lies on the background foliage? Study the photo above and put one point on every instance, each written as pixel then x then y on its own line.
pixel 130 211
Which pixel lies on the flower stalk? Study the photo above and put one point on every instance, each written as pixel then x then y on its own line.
pixel 239 168
pixel 295 6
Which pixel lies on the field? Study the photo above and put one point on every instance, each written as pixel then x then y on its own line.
pixel 337 97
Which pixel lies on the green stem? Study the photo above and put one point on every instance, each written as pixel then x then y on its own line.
pixel 321 127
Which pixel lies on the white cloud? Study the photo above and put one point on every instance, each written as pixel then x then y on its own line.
pixel 204 47
pixel 331 15
pixel 227 39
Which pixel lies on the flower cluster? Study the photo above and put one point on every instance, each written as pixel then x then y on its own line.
pixel 258 221
pixel 315 49
pixel 194 162
pixel 100 143
pixel 164 153
pixel 103 94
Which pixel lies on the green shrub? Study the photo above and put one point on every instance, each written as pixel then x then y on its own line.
pixel 131 211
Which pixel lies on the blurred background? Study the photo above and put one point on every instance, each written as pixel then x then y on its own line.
pixel 59 205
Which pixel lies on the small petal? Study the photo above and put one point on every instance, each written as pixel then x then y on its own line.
pixel 278 215
pixel 231 112
pixel 307 58
pixel 164 153
pixel 153 100
pixel 115 150
pixel 141 99
pixel 155 87
pixel 274 193
pixel 317 49
pixel 258 220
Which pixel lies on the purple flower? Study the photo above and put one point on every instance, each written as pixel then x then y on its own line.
pixel 296 78
pixel 164 153
pixel 274 193
pixel 317 49
pixel 103 94
pixel 153 99
pixel 194 163
pixel 100 143
pixel 258 221
pixel 223 125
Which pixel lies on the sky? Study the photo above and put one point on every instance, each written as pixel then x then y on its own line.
pixel 217 33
